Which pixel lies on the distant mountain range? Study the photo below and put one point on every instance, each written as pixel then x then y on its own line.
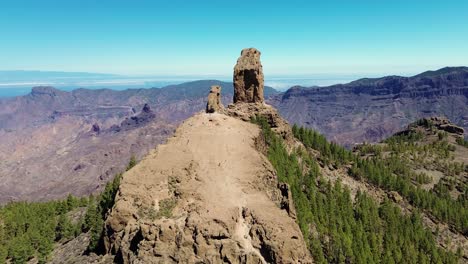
pixel 75 141
pixel 17 83
pixel 372 109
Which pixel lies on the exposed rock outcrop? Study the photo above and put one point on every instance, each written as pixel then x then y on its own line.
pixel 248 77
pixel 440 123
pixel 144 117
pixel 207 196
pixel 443 123
pixel 247 111
pixel 214 103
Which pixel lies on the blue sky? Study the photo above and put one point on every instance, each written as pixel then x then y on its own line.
pixel 205 37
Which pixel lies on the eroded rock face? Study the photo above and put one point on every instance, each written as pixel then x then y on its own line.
pixel 214 103
pixel 444 124
pixel 207 196
pixel 248 77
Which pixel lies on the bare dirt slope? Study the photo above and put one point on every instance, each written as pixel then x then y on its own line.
pixel 207 195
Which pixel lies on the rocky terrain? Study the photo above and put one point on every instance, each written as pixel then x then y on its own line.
pixel 72 154
pixel 373 109
pixel 74 142
pixel 238 184
pixel 89 135
pixel 207 195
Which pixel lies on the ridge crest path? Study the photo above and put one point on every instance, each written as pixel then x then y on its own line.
pixel 223 201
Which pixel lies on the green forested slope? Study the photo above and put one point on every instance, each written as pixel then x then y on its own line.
pixel 339 230
pixel 30 229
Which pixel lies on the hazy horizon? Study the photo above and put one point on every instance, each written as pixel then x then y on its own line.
pixel 20 82
pixel 16 83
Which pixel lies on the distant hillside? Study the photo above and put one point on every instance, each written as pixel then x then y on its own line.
pixel 372 109
pixel 408 189
pixel 87 135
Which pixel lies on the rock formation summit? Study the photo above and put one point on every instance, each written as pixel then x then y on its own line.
pixel 248 77
pixel 207 196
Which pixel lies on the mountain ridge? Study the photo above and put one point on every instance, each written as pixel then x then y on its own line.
pixel 371 109
pixel 63 117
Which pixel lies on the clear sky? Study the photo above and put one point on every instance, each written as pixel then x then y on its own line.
pixel 205 37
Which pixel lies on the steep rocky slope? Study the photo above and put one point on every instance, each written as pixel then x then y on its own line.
pixel 372 109
pixel 207 195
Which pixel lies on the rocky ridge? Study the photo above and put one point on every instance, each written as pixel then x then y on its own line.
pixel 209 195
pixel 50 124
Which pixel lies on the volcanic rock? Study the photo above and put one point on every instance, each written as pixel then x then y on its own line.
pixel 214 103
pixel 248 77
pixel 207 196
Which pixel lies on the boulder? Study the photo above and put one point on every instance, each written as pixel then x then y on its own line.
pixel 248 77
pixel 214 100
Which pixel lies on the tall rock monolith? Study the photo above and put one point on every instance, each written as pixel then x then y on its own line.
pixel 248 77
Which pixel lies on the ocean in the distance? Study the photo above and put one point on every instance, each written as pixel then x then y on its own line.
pixel 19 87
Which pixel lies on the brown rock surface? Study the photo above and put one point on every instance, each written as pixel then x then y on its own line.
pixel 247 111
pixel 206 196
pixel 248 77
pixel 214 103
pixel 444 124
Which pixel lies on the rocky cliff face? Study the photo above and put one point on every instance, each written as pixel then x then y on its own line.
pixel 206 196
pixel 372 109
pixel 248 77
